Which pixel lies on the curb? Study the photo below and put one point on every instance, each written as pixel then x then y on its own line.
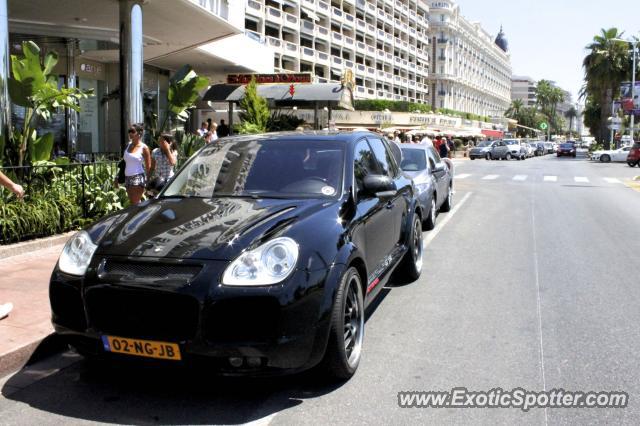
pixel 29 246
pixel 30 353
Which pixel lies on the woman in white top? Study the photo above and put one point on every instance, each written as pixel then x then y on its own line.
pixel 137 158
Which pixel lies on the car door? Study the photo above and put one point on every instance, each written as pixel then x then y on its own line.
pixel 397 205
pixel 439 176
pixel 621 154
pixel 373 235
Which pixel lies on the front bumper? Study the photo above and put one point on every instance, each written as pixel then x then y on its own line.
pixel 478 154
pixel 284 327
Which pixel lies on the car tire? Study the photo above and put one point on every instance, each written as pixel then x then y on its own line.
pixel 448 202
pixel 472 158
pixel 430 221
pixel 488 156
pixel 341 358
pixel 507 156
pixel 632 164
pixel 410 266
pixel 605 158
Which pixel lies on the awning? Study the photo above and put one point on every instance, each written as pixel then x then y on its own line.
pixel 335 95
pixel 310 14
pixel 493 133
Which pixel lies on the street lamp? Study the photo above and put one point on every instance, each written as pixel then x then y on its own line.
pixel 634 47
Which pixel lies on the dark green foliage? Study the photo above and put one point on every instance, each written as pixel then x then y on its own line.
pixel 280 122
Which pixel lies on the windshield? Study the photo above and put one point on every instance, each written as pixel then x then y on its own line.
pixel 566 145
pixel 413 160
pixel 267 168
pixel 484 144
pixel 510 142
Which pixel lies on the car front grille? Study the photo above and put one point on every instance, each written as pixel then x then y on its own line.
pixel 146 314
pixel 168 275
pixel 250 319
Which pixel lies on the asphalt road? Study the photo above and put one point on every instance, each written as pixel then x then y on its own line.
pixel 532 282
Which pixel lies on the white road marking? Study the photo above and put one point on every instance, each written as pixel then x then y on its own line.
pixel 581 179
pixel 520 177
pixel 462 176
pixel 439 225
pixel 490 177
pixel 551 178
pixel 612 180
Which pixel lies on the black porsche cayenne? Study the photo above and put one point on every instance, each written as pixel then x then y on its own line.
pixel 259 257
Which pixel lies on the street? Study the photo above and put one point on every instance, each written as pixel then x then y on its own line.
pixel 530 282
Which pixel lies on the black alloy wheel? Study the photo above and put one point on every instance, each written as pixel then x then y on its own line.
pixel 346 335
pixel 605 158
pixel 411 265
pixel 430 222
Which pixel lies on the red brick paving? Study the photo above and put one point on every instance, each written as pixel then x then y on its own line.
pixel 24 281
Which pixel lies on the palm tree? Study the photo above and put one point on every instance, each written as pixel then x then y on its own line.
pixel 605 67
pixel 571 114
pixel 515 109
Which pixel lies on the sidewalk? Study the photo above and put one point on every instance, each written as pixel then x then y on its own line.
pixel 24 281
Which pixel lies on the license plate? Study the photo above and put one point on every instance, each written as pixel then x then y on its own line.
pixel 139 347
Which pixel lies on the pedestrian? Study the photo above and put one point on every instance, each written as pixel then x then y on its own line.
pixel 426 141
pixel 396 138
pixel 209 121
pixel 214 132
pixel 204 128
pixel 443 150
pixel 137 159
pixel 452 147
pixel 7 307
pixel 163 161
pixel 223 129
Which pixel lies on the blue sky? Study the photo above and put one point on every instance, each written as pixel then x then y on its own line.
pixel 547 37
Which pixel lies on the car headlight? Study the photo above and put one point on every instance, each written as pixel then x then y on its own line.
pixel 268 264
pixel 77 254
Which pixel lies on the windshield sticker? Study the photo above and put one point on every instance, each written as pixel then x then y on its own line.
pixel 328 190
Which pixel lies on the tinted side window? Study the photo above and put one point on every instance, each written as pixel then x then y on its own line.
pixel 434 158
pixel 364 164
pixel 382 154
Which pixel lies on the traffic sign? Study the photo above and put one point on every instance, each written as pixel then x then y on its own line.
pixel 544 126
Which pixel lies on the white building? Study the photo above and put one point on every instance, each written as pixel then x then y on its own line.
pixel 470 72
pixel 524 89
pixel 384 42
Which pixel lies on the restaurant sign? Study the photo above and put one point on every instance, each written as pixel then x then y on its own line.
pixel 270 78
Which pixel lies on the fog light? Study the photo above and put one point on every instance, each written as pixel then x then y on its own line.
pixel 254 361
pixel 235 361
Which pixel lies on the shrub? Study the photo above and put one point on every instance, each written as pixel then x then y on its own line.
pixel 458 144
pixel 279 122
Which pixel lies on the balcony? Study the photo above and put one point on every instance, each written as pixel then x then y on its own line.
pixel 389 37
pixel 290 48
pixel 381 74
pixel 276 43
pixel 322 32
pixel 371 51
pixel 361 69
pixel 307 53
pixel 361 47
pixel 323 8
pixel 349 43
pixel 336 60
pixel 349 64
pixel 371 72
pixel 291 21
pixel 361 25
pixel 371 8
pixel 322 58
pixel 442 40
pixel 336 37
pixel 442 93
pixel 397 79
pixel 274 15
pixel 442 58
pixel 337 14
pixel 361 4
pixel 311 4
pixel 349 19
pixel 307 27
pixel 254 8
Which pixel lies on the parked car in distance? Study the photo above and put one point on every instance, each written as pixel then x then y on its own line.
pixel 516 149
pixel 482 150
pixel 432 178
pixel 538 148
pixel 548 148
pixel 500 151
pixel 567 148
pixel 607 156
pixel 529 148
pixel 253 270
pixel 634 155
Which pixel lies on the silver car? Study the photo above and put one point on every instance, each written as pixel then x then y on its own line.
pixel 432 177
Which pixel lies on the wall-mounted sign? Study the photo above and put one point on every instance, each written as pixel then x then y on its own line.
pixel 90 68
pixel 270 78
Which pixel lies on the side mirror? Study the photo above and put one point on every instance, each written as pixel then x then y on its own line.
pixel 379 186
pixel 439 168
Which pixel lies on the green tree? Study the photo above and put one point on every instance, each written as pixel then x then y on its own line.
pixel 592 116
pixel 33 86
pixel 605 67
pixel 548 98
pixel 515 109
pixel 255 111
pixel 184 89
pixel 571 115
